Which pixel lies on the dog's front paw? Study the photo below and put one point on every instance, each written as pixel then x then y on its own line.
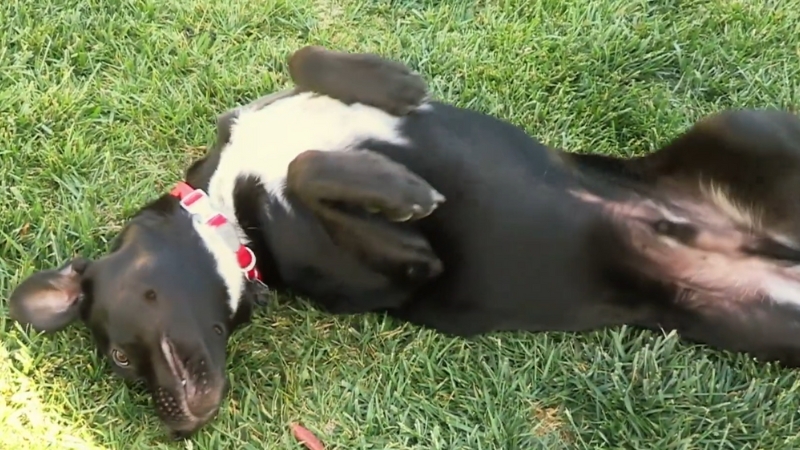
pixel 358 78
pixel 405 197
pixel 363 180
pixel 388 85
pixel 417 203
pixel 424 270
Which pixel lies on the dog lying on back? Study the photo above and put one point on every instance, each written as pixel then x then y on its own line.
pixel 356 191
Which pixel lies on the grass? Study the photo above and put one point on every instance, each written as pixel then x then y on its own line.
pixel 103 102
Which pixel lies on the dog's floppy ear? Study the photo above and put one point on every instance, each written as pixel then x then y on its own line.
pixel 49 300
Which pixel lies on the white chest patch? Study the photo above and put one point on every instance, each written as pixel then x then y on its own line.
pixel 227 263
pixel 263 143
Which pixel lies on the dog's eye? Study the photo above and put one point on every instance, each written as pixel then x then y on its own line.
pixel 218 329
pixel 119 358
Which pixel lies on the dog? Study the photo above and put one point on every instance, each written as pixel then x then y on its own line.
pixel 358 191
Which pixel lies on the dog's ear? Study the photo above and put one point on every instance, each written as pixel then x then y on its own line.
pixel 49 300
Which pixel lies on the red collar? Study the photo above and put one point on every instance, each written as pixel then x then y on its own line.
pixel 196 203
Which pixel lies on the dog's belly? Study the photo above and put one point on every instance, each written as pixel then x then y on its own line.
pixel 536 264
pixel 518 251
pixel 730 289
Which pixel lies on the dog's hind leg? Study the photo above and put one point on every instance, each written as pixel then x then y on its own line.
pixel 354 193
pixel 358 78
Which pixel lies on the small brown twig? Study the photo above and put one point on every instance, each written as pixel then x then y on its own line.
pixel 306 437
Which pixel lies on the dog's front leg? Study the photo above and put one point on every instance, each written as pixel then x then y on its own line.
pixel 366 201
pixel 348 77
pixel 364 78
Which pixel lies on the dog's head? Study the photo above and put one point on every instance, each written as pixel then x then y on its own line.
pixel 160 306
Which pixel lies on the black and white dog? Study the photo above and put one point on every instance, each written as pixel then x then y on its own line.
pixel 358 192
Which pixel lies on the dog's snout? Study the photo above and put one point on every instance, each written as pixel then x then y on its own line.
pixel 195 389
pixel 204 389
pixel 176 365
pixel 203 400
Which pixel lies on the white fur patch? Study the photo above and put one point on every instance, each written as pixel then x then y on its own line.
pixel 263 143
pixel 739 213
pixel 782 288
pixel 227 263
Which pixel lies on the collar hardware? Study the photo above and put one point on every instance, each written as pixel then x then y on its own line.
pixel 197 203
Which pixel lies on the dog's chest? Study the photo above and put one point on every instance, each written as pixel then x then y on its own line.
pixel 264 142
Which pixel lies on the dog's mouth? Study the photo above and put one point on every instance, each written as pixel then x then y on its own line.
pixel 190 402
pixel 176 366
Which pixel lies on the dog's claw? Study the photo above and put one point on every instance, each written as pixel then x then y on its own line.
pixel 403 218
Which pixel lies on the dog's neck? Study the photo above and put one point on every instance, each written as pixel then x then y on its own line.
pixel 235 262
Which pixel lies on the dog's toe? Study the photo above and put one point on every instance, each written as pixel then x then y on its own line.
pixel 435 199
pixel 424 270
pixel 400 216
pixel 419 203
pixel 408 94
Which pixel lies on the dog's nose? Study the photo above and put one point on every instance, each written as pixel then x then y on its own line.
pixel 202 388
pixel 203 395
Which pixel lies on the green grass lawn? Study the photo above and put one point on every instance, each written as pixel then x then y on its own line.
pixel 103 103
